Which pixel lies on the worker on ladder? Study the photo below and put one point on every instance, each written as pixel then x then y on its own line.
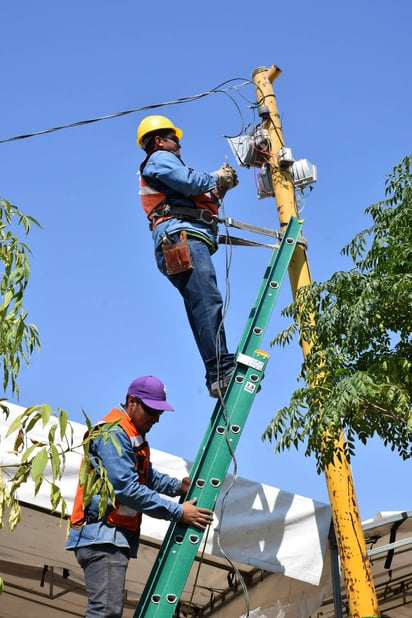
pixel 104 544
pixel 182 207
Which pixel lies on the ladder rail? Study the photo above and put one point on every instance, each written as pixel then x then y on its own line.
pixel 259 315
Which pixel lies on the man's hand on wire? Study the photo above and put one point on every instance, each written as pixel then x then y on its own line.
pixel 196 516
pixel 227 179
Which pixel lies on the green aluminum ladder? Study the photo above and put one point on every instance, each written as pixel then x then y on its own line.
pixel 171 569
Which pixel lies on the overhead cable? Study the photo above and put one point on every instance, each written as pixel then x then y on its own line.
pixel 188 99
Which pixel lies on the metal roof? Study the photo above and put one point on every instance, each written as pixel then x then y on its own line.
pixel 389 541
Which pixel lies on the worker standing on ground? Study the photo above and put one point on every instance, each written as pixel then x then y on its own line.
pixel 103 546
pixel 182 207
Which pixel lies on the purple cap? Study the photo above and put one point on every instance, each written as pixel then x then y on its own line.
pixel 151 391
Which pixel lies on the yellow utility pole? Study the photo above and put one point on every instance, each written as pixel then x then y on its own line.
pixel 354 558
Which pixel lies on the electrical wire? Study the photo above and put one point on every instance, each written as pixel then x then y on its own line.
pixel 226 302
pixel 228 261
pixel 280 138
pixel 216 90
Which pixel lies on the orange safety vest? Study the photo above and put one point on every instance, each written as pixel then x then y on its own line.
pixel 154 199
pixel 121 515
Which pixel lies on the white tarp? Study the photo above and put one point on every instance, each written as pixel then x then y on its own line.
pixel 261 527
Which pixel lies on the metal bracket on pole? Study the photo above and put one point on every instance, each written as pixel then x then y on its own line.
pixel 233 240
pixel 224 239
pixel 229 222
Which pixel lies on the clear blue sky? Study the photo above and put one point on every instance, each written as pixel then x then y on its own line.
pixel 106 315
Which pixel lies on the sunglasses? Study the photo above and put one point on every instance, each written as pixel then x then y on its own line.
pixel 148 410
pixel 174 138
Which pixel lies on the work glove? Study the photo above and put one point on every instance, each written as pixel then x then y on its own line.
pixel 227 179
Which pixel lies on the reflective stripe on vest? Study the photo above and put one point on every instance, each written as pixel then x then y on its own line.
pixel 152 199
pixel 121 515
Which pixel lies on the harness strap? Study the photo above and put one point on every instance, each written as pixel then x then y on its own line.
pixel 184 212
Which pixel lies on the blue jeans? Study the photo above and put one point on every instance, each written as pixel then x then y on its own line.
pixel 203 304
pixel 104 568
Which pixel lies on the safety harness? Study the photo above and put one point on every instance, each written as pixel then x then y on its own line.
pixel 156 198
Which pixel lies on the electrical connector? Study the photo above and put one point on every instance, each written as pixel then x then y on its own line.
pixel 263 111
pixel 285 158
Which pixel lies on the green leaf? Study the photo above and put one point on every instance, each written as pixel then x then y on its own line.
pixel 357 326
pixel 8 297
pixel 32 421
pixel 55 496
pixel 16 424
pixel 38 464
pixel 63 418
pixel 52 433
pixel 116 444
pixel 27 453
pixel 45 413
pixel 84 471
pixel 55 461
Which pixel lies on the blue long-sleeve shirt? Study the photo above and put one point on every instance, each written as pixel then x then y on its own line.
pixel 167 172
pixel 121 470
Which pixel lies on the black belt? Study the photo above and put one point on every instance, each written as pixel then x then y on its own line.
pixel 91 520
pixel 88 519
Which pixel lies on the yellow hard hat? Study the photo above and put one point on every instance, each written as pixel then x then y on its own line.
pixel 155 123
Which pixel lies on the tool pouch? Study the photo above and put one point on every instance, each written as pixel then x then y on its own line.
pixel 177 256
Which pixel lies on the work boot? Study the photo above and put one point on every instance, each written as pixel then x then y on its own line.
pixel 218 388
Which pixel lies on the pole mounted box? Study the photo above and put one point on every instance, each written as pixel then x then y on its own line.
pixel 303 173
pixel 243 148
pixel 264 182
pixel 252 149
